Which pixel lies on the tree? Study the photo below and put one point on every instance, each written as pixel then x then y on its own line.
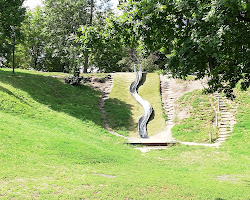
pixel 101 44
pixel 209 38
pixel 90 24
pixel 32 50
pixel 11 16
pixel 63 19
pixel 103 7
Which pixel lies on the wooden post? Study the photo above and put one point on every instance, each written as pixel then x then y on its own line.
pixel 216 119
pixel 218 104
pixel 210 136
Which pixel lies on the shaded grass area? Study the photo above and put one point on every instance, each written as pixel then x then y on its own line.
pixel 50 154
pixel 51 93
pixel 124 116
pixel 200 109
pixel 119 115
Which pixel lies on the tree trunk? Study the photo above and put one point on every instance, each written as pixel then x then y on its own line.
pixel 211 63
pixel 13 67
pixel 91 12
pixel 86 63
pixel 35 63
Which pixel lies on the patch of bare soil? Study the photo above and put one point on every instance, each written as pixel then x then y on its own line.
pixel 180 87
pixel 105 175
pixel 230 178
pixel 98 83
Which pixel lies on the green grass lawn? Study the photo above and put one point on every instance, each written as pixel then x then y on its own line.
pixel 200 109
pixel 53 146
pixel 123 111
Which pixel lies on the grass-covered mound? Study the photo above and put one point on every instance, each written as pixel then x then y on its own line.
pixel 199 117
pixel 123 111
pixel 47 127
pixel 50 152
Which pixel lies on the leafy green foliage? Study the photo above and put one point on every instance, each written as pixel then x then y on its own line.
pixel 210 38
pixel 100 42
pixel 63 19
pixel 31 53
pixel 11 16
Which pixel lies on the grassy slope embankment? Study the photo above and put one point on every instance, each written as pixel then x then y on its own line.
pixel 123 111
pixel 199 117
pixel 52 151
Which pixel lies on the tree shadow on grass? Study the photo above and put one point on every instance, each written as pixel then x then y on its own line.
pixel 80 102
pixel 5 90
pixel 119 116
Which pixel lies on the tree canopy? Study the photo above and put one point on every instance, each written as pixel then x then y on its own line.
pixel 11 15
pixel 208 38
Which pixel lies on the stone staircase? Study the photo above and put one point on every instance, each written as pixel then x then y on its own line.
pixel 168 98
pixel 168 103
pixel 108 86
pixel 170 93
pixel 226 119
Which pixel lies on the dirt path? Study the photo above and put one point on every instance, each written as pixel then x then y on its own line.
pixel 105 89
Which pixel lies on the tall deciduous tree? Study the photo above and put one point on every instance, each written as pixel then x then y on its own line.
pixel 90 24
pixel 11 15
pixel 32 50
pixel 210 38
pixel 63 19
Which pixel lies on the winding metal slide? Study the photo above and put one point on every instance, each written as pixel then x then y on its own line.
pixel 142 123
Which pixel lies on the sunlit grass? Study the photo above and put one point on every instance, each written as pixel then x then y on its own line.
pixel 196 127
pixel 50 152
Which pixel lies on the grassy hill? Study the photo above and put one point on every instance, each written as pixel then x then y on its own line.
pixel 53 146
pixel 199 111
pixel 123 111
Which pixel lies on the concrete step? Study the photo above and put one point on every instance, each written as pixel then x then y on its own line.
pixel 226 114
pixel 224 132
pixel 221 139
pixel 223 136
pixel 224 129
pixel 225 120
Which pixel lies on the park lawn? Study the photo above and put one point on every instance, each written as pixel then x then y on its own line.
pixel 123 111
pixel 50 152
